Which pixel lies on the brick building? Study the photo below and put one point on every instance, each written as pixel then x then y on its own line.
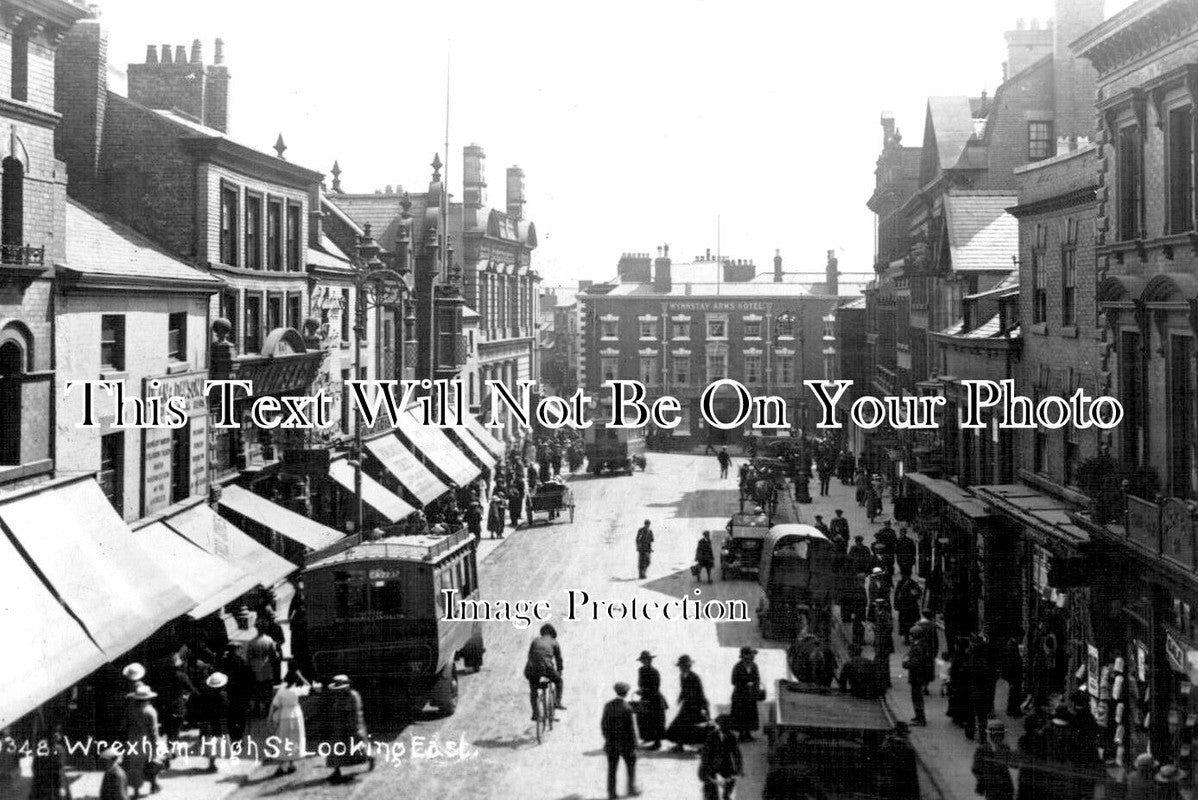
pixel 679 327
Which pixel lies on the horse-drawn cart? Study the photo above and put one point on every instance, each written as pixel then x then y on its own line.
pixel 551 499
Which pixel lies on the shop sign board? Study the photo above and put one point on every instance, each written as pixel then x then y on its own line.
pixel 1093 670
pixel 157 443
pixel 1143 523
pixel 1175 652
pixel 1177 532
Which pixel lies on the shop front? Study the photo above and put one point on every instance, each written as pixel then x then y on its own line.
pixel 951 525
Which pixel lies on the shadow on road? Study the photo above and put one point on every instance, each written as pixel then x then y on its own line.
pixel 512 743
pixel 704 503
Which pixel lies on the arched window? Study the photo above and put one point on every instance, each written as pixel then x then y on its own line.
pixel 12 366
pixel 12 208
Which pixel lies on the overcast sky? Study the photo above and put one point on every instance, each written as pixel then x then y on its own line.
pixel 637 123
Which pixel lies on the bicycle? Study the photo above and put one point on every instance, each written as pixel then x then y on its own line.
pixel 546 705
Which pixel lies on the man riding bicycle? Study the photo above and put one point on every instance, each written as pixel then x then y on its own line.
pixel 544 661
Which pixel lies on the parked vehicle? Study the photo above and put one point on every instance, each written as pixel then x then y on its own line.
pixel 740 555
pixel 826 745
pixel 375 611
pixel 799 576
pixel 551 499
pixel 614 449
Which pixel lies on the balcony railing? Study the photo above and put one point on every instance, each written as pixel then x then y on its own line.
pixel 22 255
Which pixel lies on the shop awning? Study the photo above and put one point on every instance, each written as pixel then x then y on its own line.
pixel 216 535
pixel 439 450
pixel 309 533
pixel 209 580
pixel 485 436
pixel 373 493
pixel 95 563
pixel 412 475
pixel 1044 517
pixel 473 448
pixel 49 649
pixel 950 493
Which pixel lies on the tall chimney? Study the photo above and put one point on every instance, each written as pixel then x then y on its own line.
pixel 151 54
pixel 1026 46
pixel 515 193
pixel 81 96
pixel 197 52
pixel 887 127
pixel 778 266
pixel 832 279
pixel 474 180
pixel 1074 79
pixel 216 101
pixel 181 54
pixel 662 281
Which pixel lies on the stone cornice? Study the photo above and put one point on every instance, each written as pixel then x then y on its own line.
pixel 1136 32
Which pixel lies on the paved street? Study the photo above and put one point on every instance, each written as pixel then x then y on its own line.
pixel 682 495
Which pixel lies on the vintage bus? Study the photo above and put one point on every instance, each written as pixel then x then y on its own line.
pixel 375 612
pixel 614 449
pixel 800 576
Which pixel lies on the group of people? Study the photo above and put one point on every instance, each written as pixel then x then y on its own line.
pixel 869 492
pixel 642 723
pixel 525 469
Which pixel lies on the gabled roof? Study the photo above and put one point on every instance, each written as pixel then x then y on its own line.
pixel 101 250
pixel 949 127
pixel 981 234
pixel 328 255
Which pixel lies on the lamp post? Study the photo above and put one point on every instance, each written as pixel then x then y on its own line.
pixel 377 287
pixel 803 478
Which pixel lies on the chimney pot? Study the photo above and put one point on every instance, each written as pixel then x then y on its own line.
pixel 151 54
pixel 181 54
pixel 197 52
pixel 166 54
pixel 666 250
pixel 218 55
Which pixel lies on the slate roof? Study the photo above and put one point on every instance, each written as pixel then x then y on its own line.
pixel 990 329
pixel 952 121
pixel 99 246
pixel 981 234
pixel 328 255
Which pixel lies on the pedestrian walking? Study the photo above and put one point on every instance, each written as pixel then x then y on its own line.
pixel 879 592
pixel 115 784
pixel 212 704
pixel 287 722
pixel 651 714
pixel 240 689
pixel 839 527
pixel 142 733
pixel 261 653
pixel 49 770
pixel 883 639
pixel 859 676
pixel 959 683
pixel 689 726
pixel 825 477
pixel 981 685
pixel 861 481
pixel 644 548
pixel 860 559
pixel 746 694
pixel 821 526
pixel 618 726
pixel 704 557
pixel 990 762
pixel 721 762
pixel 1168 782
pixel 724 460
pixel 904 552
pixel 176 693
pixel 907 596
pixel 1010 669
pixel 1140 783
pixel 920 664
pixel 515 503
pixel 347 729
pixel 474 519
pixel 497 516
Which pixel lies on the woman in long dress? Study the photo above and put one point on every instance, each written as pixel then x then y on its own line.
pixel 690 726
pixel 652 715
pixel 287 721
pixel 746 692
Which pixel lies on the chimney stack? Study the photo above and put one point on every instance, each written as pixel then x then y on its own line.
pixel 176 82
pixel 1027 46
pixel 474 180
pixel 180 54
pixel 81 96
pixel 887 127
pixel 832 279
pixel 166 54
pixel 151 54
pixel 515 193
pixel 778 266
pixel 218 54
pixel 197 52
pixel 1075 80
pixel 662 282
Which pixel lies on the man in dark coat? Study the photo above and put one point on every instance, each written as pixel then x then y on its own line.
pixel 990 764
pixel 746 692
pixel 883 639
pixel 618 726
pixel 115 784
pixel 644 548
pixel 859 675
pixel 981 686
pixel 860 558
pixel 240 689
pixel 907 596
pixel 721 761
pixel 884 546
pixel 1010 669
pixel 688 726
pixel 347 727
pixel 921 664
pixel 474 519
pixel 839 526
pixel 497 515
pixel 651 716
pixel 904 552
pixel 822 527
pixel 704 556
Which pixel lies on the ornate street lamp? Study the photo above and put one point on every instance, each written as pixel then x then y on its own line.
pixel 377 287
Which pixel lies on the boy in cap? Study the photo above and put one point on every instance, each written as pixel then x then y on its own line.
pixel 618 726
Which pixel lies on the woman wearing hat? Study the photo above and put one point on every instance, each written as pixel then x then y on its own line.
pixel 143 733
pixel 689 727
pixel 651 716
pixel 1168 782
pixel 213 712
pixel 1141 783
pixel 287 721
pixel 347 729
pixel 746 692
pixel 115 784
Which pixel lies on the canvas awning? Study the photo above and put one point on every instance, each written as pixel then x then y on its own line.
pixel 471 446
pixel 216 535
pixel 438 449
pixel 374 494
pixel 100 572
pixel 298 528
pixel 406 467
pixel 485 436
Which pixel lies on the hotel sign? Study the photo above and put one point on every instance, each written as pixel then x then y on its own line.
pixel 158 444
pixel 718 306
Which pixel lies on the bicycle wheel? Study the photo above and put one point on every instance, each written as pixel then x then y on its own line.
pixel 540 713
pixel 550 704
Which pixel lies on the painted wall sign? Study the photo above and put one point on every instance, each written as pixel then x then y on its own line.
pixel 157 443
